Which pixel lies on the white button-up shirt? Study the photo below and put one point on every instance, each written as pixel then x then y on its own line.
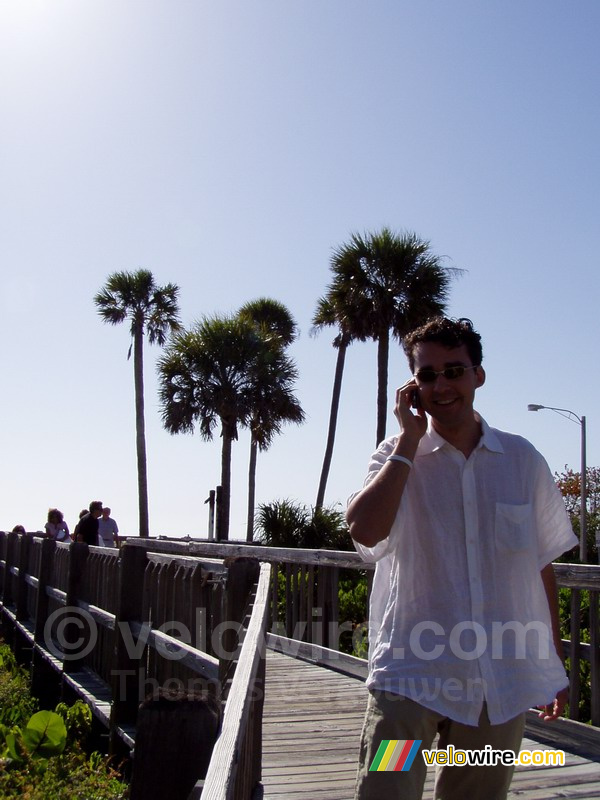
pixel 465 614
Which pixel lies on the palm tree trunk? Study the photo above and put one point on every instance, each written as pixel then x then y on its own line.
pixel 333 415
pixel 223 510
pixel 383 350
pixel 140 430
pixel 251 489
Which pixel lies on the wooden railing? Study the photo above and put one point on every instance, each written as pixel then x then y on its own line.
pixel 235 766
pixel 120 627
pixel 132 597
pixel 305 613
pixel 578 578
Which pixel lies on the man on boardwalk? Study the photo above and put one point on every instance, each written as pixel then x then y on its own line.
pixel 470 520
pixel 108 530
pixel 86 529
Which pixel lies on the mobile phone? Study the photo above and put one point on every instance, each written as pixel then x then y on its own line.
pixel 415 399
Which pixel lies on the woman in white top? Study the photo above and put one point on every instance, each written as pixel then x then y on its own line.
pixel 56 527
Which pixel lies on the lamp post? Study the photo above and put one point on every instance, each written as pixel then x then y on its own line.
pixel 564 412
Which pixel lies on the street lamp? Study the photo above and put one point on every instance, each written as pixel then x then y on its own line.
pixel 564 412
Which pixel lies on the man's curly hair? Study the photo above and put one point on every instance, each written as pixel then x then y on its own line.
pixel 448 332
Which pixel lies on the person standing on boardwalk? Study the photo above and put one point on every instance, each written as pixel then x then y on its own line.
pixel 87 527
pixel 108 529
pixel 56 528
pixel 471 521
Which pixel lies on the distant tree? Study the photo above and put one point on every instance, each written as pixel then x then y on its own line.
pixel 210 375
pixel 569 483
pixel 153 311
pixel 273 402
pixel 383 284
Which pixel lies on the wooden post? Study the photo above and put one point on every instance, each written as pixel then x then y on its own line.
pixel 595 656
pixel 128 669
pixel 22 612
pixel 274 616
pixel 319 614
pixel 45 681
pixel 575 655
pixel 333 628
pixel 211 514
pixel 73 633
pixel 3 542
pixel 288 599
pixel 242 574
pixel 219 515
pixel 175 736
pixel 12 547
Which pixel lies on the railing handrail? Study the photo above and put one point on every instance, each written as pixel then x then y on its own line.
pixel 242 598
pixel 220 778
pixel 577 576
pixel 293 555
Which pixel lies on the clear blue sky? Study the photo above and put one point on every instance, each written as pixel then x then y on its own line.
pixel 228 147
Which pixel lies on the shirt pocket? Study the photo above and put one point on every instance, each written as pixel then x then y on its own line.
pixel 513 526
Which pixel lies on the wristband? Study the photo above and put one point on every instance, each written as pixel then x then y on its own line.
pixel 402 459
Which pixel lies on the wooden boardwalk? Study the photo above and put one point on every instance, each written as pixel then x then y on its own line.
pixel 311 731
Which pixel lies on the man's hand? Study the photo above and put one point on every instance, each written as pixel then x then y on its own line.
pixel 556 709
pixel 372 512
pixel 413 423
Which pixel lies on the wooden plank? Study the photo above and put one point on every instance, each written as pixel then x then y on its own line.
pixel 314 754
pixel 565 734
pixel 578 576
pixel 101 616
pixel 32 581
pixel 205 665
pixel 317 654
pixel 210 565
pixel 294 555
pixel 311 752
pixel 26 627
pixel 92 691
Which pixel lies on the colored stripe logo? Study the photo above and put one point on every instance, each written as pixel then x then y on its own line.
pixel 395 755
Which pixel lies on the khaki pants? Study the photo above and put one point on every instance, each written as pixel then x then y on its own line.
pixel 391 716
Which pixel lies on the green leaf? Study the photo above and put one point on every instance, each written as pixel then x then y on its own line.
pixel 45 734
pixel 14 752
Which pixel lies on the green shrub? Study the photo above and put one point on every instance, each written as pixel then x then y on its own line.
pixel 16 702
pixel 564 602
pixel 287 523
pixel 42 754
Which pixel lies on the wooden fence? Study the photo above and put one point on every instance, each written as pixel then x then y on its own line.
pixel 181 633
pixel 305 609
pixel 168 613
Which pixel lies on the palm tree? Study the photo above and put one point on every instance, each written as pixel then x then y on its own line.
pixel 272 318
pixel 207 376
pixel 331 310
pixel 273 403
pixel 153 311
pixel 383 283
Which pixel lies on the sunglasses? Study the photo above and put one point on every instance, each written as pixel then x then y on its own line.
pixel 450 373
